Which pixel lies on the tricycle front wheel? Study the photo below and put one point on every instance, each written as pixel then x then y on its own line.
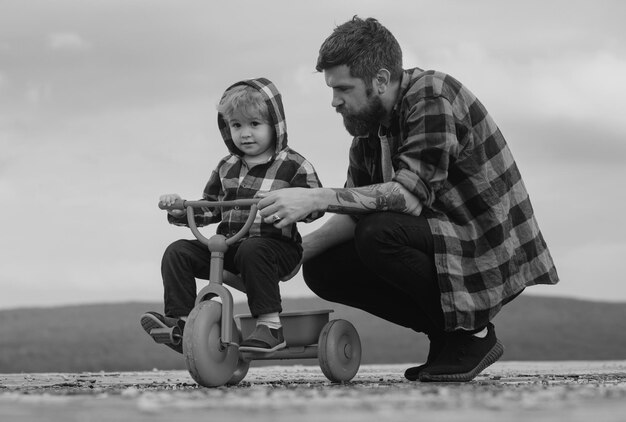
pixel 240 372
pixel 210 363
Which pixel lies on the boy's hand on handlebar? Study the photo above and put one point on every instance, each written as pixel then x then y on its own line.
pixel 169 199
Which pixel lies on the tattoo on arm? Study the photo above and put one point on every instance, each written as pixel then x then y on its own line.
pixel 362 200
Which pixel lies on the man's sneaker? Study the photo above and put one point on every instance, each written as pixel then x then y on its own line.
pixel 169 331
pixel 463 357
pixel 436 346
pixel 264 339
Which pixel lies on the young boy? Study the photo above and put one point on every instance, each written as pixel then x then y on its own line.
pixel 252 122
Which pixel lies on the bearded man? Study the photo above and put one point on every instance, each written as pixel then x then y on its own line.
pixel 434 229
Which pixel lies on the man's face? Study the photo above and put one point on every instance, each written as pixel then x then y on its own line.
pixel 362 110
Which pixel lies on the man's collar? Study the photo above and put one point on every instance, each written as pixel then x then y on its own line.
pixel 404 84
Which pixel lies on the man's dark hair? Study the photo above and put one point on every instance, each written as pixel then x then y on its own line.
pixel 365 46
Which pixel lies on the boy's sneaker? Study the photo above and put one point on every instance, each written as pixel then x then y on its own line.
pixel 264 340
pixel 463 357
pixel 152 320
pixel 436 346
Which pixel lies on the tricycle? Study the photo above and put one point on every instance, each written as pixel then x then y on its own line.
pixel 211 337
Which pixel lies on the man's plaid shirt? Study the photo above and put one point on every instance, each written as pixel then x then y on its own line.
pixel 447 151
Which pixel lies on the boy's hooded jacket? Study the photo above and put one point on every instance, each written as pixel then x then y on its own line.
pixel 233 179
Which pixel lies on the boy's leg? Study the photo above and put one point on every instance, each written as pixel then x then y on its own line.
pixel 261 263
pixel 183 262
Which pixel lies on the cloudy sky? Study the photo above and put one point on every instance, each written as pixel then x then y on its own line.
pixel 105 105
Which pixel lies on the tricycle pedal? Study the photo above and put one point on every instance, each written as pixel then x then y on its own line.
pixel 169 335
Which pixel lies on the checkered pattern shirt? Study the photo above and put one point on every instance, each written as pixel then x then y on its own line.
pixel 447 151
pixel 233 179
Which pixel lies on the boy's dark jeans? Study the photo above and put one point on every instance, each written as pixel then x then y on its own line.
pixel 387 270
pixel 259 261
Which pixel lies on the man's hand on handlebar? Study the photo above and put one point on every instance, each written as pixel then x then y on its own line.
pixel 168 199
pixel 286 206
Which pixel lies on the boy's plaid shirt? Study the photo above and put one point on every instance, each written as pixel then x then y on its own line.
pixel 233 180
pixel 449 153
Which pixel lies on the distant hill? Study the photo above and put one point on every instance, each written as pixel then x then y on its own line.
pixel 108 337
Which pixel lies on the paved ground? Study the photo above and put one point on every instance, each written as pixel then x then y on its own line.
pixel 506 391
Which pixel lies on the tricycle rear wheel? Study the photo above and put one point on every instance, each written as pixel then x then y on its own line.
pixel 339 350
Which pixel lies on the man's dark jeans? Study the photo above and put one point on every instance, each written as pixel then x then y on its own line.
pixel 259 261
pixel 388 270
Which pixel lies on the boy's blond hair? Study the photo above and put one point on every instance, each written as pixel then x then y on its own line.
pixel 245 100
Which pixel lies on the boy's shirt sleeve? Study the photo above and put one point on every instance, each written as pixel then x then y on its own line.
pixel 306 177
pixel 204 216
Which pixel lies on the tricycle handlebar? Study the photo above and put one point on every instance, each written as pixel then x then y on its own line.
pixel 181 204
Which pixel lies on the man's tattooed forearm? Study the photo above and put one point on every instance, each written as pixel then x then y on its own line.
pixel 366 199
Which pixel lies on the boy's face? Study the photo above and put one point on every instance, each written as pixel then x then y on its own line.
pixel 252 135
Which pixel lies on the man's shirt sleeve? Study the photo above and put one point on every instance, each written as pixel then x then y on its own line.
pixel 425 152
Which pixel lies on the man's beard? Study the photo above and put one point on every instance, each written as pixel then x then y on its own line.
pixel 365 120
